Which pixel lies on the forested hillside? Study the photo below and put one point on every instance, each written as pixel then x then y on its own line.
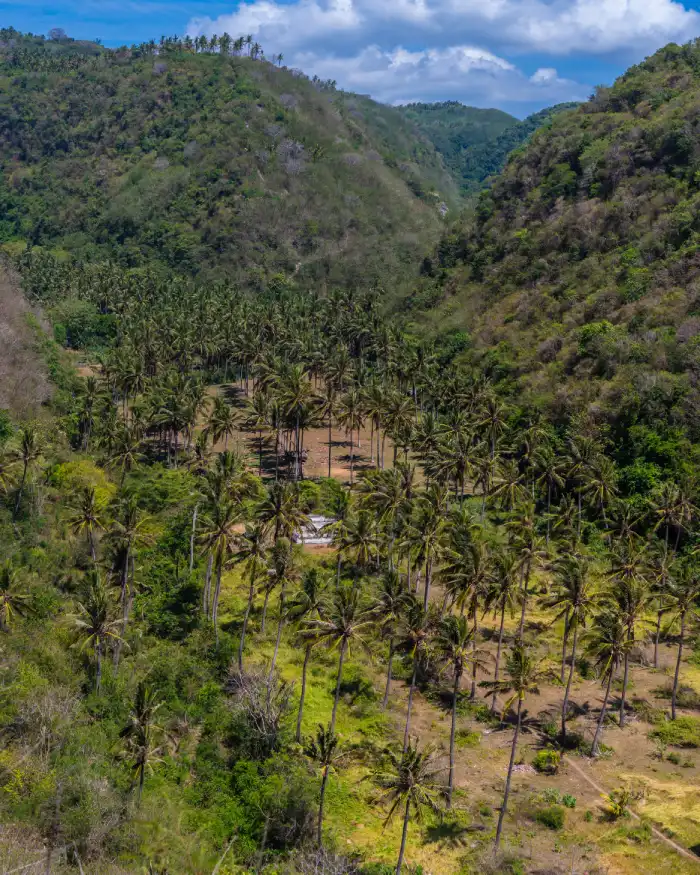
pixel 292 584
pixel 576 278
pixel 203 162
pixel 475 143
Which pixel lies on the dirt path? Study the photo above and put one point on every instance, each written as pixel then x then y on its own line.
pixel 684 852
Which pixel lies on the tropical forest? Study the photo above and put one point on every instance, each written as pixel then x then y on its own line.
pixel 349 471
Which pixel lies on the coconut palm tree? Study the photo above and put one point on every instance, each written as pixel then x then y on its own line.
pixel 252 551
pixel 126 534
pixel 282 570
pixel 306 605
pixel 343 620
pixel 140 733
pixel 415 641
pixel 454 645
pixel 281 512
pixel 608 643
pixel 323 749
pixel 222 422
pixel 94 623
pixel 351 417
pixel 27 454
pixel 523 678
pixel 502 596
pixel 14 600
pixel 87 517
pixel 630 595
pixel 683 594
pixel 220 537
pixel 390 607
pixel 575 598
pixel 410 784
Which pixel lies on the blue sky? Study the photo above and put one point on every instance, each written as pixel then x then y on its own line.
pixel 519 55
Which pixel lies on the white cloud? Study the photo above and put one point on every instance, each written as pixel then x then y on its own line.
pixel 358 42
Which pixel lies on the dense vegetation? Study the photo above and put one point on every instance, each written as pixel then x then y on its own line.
pixel 475 143
pixel 210 162
pixel 184 688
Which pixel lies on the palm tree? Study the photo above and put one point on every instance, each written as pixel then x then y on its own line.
pixel 87 518
pixel 342 621
pixel 306 605
pixel 282 571
pixel 549 468
pixel 126 452
pixel 426 531
pixel 351 416
pixel 575 599
pixel 323 749
pixel 390 607
pixel 409 781
pixel 14 601
pixel 630 595
pixel 282 511
pixel 219 537
pixel 683 594
pixel 27 454
pixel 601 484
pixel 523 677
pixel 139 733
pixel 94 623
pixel 454 643
pixel 415 642
pixel 222 422
pixel 126 535
pixel 252 551
pixel 608 643
pixel 501 597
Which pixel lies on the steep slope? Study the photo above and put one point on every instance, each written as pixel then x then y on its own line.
pixel 207 164
pixel 475 143
pixel 578 276
pixel 458 131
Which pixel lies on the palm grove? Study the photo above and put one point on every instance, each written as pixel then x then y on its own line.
pixel 473 508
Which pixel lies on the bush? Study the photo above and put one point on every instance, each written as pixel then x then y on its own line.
pixel 466 738
pixel 552 817
pixel 547 762
pixel 569 801
pixel 683 732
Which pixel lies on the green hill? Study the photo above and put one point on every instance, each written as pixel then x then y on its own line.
pixel 211 164
pixel 475 143
pixel 577 275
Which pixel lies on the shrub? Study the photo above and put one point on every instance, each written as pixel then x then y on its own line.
pixel 547 762
pixel 552 817
pixel 683 732
pixel 674 758
pixel 466 738
pixel 569 801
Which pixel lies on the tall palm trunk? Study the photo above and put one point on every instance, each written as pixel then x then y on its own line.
pixel 625 681
pixel 499 649
pixel 453 729
pixel 404 835
pixel 601 719
pixel 504 807
pixel 280 627
pixel 124 605
pixel 264 611
pixel 192 536
pixel 387 689
pixel 330 442
pixel 246 617
pixel 657 635
pixel 523 593
pixel 207 585
pixel 410 705
pixel 679 659
pixel 352 456
pixel 472 694
pixel 20 492
pixel 217 594
pixel 428 576
pixel 98 669
pixel 564 646
pixel 300 714
pixel 324 782
pixel 565 705
pixel 341 660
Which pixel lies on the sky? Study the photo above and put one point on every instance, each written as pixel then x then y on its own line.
pixel 517 55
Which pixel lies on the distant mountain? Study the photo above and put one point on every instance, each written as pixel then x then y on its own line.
pixel 475 143
pixel 206 162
